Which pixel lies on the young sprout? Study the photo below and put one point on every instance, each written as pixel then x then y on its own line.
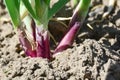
pixel 76 22
pixel 31 17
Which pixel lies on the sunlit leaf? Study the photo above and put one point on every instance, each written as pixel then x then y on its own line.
pixel 13 9
pixel 56 7
pixel 41 9
pixel 29 8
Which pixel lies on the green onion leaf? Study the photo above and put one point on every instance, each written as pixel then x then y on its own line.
pixel 47 2
pixel 17 3
pixel 56 7
pixel 41 10
pixel 29 8
pixel 13 9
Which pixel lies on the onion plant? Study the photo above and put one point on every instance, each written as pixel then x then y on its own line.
pixel 30 18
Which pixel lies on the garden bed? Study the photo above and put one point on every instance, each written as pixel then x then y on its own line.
pixel 95 54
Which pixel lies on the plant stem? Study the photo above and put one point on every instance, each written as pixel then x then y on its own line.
pixel 80 12
pixel 68 39
pixel 76 22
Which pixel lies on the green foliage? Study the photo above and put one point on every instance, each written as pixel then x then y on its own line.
pixel 41 11
pixel 41 8
pixel 29 8
pixel 56 7
pixel 13 9
pixel 34 13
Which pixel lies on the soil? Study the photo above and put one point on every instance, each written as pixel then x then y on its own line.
pixel 95 54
